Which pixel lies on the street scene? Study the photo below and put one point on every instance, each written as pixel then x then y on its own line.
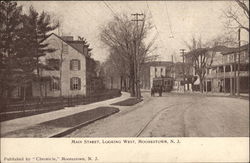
pixel 193 116
pixel 124 69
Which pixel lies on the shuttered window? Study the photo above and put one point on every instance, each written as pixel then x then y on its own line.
pixel 75 83
pixel 53 64
pixel 75 65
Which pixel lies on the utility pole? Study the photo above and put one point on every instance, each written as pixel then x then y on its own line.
pixel 136 58
pixel 238 77
pixel 172 69
pixel 234 68
pixel 183 68
pixel 61 58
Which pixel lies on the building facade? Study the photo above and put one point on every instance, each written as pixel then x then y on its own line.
pixel 223 73
pixel 64 70
pixel 154 69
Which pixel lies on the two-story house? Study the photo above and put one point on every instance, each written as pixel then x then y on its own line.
pixel 231 69
pixel 220 76
pixel 154 69
pixel 64 73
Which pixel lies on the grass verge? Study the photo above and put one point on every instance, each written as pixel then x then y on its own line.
pixel 56 126
pixel 5 116
pixel 128 102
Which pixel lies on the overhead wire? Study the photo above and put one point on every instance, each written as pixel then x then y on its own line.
pixel 109 7
pixel 169 21
pixel 154 24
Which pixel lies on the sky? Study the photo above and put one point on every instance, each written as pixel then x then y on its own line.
pixel 174 21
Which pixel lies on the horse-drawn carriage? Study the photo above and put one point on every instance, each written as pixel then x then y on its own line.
pixel 161 84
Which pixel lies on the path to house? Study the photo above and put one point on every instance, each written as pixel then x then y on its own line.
pixel 21 123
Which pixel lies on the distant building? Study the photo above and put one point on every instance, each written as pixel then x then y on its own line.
pixel 154 69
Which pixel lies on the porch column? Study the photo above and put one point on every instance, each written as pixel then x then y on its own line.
pixel 224 79
pixel 231 80
pixel 206 85
pixel 206 78
pixel 212 84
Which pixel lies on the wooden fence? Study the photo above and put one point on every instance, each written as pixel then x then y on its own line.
pixel 58 102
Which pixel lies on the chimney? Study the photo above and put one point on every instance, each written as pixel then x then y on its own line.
pixel 68 38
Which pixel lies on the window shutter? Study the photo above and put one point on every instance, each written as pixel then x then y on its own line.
pixel 71 64
pixel 71 83
pixel 79 65
pixel 79 83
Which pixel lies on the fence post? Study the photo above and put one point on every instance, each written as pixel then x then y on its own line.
pixel 68 100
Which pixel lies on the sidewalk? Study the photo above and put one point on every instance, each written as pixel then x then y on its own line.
pixel 221 94
pixel 21 123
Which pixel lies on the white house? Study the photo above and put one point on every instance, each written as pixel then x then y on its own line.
pixel 70 79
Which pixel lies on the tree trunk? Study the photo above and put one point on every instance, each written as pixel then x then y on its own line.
pixel 24 98
pixel 39 81
pixel 201 85
pixel 132 86
pixel 121 83
pixel 111 82
pixel 132 80
pixel 125 84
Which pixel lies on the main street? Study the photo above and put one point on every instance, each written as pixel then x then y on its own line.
pixel 175 115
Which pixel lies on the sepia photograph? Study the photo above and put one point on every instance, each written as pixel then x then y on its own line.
pixel 148 72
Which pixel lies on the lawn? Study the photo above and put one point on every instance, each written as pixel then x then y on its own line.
pixel 128 102
pixel 60 125
pixel 19 114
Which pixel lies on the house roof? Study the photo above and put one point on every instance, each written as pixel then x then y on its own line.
pixel 233 50
pixel 220 48
pixel 74 44
pixel 159 63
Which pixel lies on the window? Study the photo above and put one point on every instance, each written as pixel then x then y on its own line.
pixel 231 57
pixel 75 65
pixel 243 56
pixel 65 48
pixel 53 64
pixel 237 57
pixel 54 85
pixel 75 83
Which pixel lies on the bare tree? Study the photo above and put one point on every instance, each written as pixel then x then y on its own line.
pixel 120 36
pixel 238 18
pixel 117 65
pixel 201 56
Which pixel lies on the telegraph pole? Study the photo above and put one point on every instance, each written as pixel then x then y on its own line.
pixel 234 68
pixel 136 58
pixel 238 77
pixel 172 69
pixel 60 33
pixel 183 68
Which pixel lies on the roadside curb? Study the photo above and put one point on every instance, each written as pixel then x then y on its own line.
pixel 215 95
pixel 70 130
